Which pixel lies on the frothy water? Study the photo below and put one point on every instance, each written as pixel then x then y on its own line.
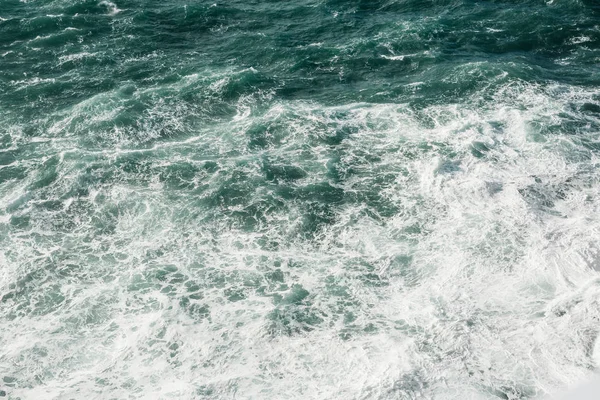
pixel 322 200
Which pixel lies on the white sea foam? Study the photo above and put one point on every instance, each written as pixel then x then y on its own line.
pixel 580 39
pixel 75 57
pixel 24 83
pixel 112 7
pixel 483 281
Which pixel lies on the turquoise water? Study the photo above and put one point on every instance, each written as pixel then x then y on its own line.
pixel 319 199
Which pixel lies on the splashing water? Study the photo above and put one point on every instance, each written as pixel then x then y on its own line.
pixel 309 199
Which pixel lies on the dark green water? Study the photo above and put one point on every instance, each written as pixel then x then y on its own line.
pixel 298 200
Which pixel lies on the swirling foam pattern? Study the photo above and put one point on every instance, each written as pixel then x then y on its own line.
pixel 308 199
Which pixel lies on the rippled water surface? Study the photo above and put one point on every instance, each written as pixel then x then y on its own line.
pixel 308 199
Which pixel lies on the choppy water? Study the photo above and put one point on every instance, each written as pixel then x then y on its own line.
pixel 308 199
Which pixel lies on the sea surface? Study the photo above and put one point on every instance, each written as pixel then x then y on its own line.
pixel 303 199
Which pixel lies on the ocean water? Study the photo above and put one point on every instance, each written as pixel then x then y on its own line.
pixel 307 199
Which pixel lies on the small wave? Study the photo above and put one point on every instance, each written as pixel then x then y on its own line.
pixel 398 57
pixel 75 57
pixel 112 7
pixel 33 82
pixel 580 39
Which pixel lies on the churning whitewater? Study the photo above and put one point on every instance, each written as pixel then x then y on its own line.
pixel 308 199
